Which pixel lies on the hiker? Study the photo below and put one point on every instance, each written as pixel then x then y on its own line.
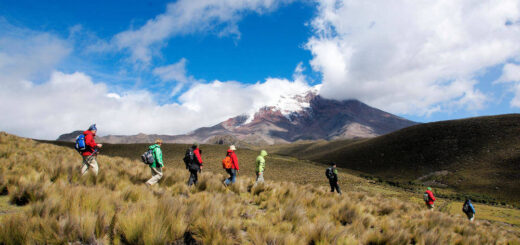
pixel 193 161
pixel 157 165
pixel 90 152
pixel 468 209
pixel 233 171
pixel 332 175
pixel 260 166
pixel 429 199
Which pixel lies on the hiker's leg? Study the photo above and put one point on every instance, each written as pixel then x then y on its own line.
pixel 260 177
pixel 471 216
pixel 196 177
pixel 149 181
pixel 156 176
pixel 94 165
pixel 226 181
pixel 191 179
pixel 233 176
pixel 337 188
pixel 331 186
pixel 84 167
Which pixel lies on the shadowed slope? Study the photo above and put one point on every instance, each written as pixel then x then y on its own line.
pixel 476 155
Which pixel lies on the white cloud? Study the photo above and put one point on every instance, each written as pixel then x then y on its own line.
pixel 510 73
pixel 26 54
pixel 411 57
pixel 515 102
pixel 69 102
pixel 174 72
pixel 187 17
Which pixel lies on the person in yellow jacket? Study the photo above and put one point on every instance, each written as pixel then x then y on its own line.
pixel 260 166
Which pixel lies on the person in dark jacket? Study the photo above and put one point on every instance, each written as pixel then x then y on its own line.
pixel 195 163
pixel 234 166
pixel 468 209
pixel 332 175
pixel 90 153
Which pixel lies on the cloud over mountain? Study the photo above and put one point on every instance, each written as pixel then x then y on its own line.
pixel 412 57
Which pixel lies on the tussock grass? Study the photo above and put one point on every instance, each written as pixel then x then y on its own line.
pixel 115 207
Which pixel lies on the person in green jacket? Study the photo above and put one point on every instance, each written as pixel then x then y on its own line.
pixel 157 165
pixel 260 166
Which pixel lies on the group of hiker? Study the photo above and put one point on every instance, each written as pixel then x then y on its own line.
pixel 87 146
pixel 467 207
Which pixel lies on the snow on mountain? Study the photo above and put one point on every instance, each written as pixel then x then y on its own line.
pixel 288 103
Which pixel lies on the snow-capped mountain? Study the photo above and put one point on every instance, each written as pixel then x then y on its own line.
pixel 293 117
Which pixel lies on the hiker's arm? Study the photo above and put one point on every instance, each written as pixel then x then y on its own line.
pixel 158 153
pixel 197 155
pixel 235 161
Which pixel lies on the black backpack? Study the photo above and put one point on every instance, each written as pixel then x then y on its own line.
pixel 329 173
pixel 189 159
pixel 147 157
pixel 465 208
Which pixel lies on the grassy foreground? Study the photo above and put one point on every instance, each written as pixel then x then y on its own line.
pixel 59 206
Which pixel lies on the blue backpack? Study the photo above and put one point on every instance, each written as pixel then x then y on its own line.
pixel 80 146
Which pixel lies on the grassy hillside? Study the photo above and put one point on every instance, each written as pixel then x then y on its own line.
pixel 59 206
pixel 478 156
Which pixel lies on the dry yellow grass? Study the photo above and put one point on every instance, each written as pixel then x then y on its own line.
pixel 117 208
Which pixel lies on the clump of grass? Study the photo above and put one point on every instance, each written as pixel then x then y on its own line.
pixel 27 192
pixel 15 230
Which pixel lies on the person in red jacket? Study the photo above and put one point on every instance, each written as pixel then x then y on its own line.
pixel 429 198
pixel 194 164
pixel 233 171
pixel 89 155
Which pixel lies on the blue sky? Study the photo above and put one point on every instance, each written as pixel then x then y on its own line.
pixel 166 59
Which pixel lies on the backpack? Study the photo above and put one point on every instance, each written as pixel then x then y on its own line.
pixel 227 163
pixel 80 145
pixel 190 160
pixel 329 173
pixel 466 208
pixel 426 197
pixel 147 157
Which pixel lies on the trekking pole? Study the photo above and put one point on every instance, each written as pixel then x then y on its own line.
pixel 90 157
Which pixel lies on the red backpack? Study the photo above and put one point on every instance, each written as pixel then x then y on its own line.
pixel 227 163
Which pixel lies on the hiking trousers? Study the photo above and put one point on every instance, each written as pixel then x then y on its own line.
pixel 156 176
pixel 471 216
pixel 259 177
pixel 334 186
pixel 430 206
pixel 193 177
pixel 232 176
pixel 89 162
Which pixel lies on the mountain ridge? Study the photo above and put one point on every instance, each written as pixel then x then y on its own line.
pixel 304 117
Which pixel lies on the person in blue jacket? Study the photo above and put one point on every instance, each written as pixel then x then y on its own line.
pixel 468 209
